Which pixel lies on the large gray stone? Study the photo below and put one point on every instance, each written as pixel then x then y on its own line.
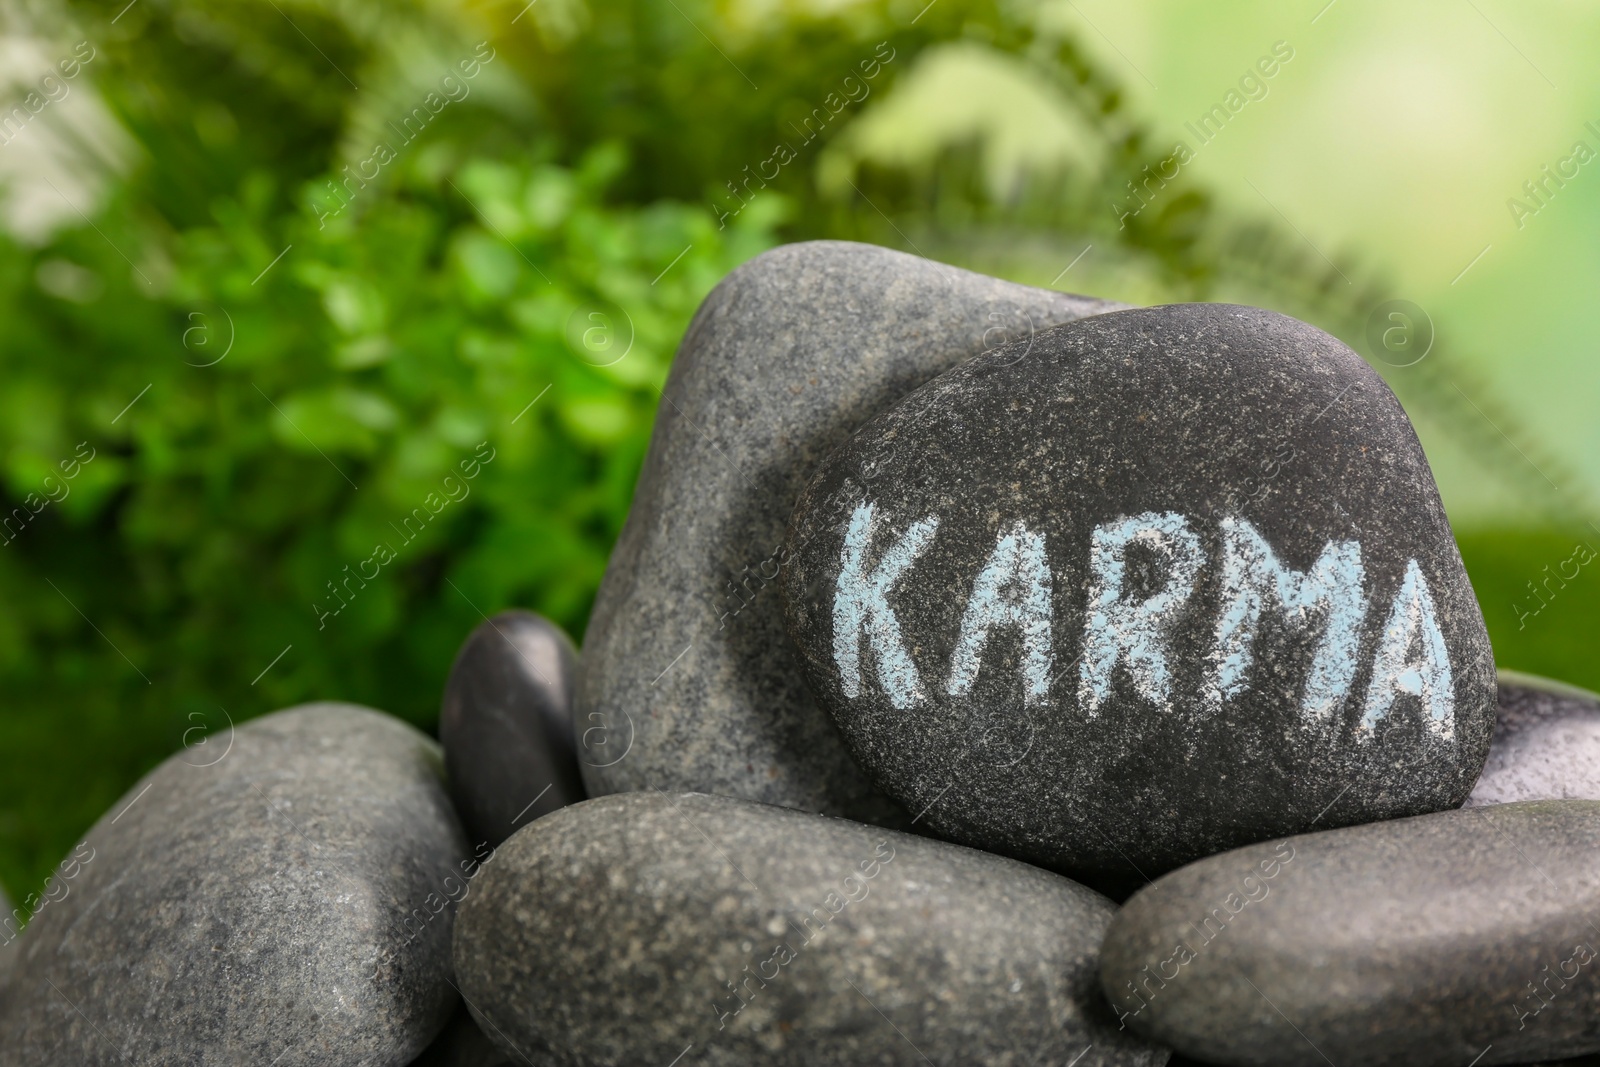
pixel 1441 940
pixel 650 929
pixel 285 901
pixel 1148 586
pixel 687 679
pixel 506 725
pixel 1546 743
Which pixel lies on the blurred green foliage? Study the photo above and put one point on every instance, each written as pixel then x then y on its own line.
pixel 285 325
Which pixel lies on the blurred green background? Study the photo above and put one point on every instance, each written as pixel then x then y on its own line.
pixel 271 272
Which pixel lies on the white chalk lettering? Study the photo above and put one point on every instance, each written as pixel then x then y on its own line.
pixel 1013 589
pixel 1412 621
pixel 1143 573
pixel 1119 628
pixel 860 603
pixel 1329 596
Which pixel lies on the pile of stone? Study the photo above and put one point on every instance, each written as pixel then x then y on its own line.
pixel 985 676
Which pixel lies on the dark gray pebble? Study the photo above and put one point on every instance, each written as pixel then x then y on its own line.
pixel 1150 585
pixel 279 894
pixel 653 928
pixel 688 680
pixel 506 725
pixel 463 1044
pixel 1546 743
pixel 1436 941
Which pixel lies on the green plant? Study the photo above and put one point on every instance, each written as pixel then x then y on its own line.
pixel 275 363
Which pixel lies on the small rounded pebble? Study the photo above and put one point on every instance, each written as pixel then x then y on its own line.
pixel 506 725
pixel 1546 743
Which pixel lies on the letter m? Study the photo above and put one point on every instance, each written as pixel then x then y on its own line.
pixel 1329 597
pixel 17 116
pixel 861 604
pixel 1218 115
pixel 420 118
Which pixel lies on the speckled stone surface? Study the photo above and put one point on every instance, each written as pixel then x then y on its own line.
pixel 653 928
pixel 1155 584
pixel 1423 942
pixel 274 904
pixel 687 680
pixel 1546 743
pixel 506 725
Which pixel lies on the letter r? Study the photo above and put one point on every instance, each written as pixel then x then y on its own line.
pixel 1119 627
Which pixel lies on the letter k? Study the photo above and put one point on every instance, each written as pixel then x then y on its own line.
pixel 861 602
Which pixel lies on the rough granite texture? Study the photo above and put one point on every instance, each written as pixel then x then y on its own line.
pixel 687 679
pixel 1419 942
pixel 644 928
pixel 1546 743
pixel 252 908
pixel 1019 625
pixel 506 725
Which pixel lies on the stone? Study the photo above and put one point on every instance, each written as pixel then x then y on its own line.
pixel 506 725
pixel 649 928
pixel 463 1044
pixel 1546 743
pixel 1451 938
pixel 1148 586
pixel 287 901
pixel 687 680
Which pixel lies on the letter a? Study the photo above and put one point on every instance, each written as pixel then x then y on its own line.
pixel 1329 596
pixel 860 602
pixel 1116 627
pixel 1013 589
pixel 1412 621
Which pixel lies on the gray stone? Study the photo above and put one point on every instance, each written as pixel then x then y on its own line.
pixel 1445 939
pixel 463 1044
pixel 280 894
pixel 506 725
pixel 687 680
pixel 653 928
pixel 1546 743
pixel 1151 585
